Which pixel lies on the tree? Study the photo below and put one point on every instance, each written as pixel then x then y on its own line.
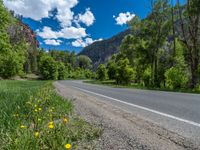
pixel 112 68
pixel 101 72
pixel 48 68
pixel 84 62
pixel 125 74
pixel 190 36
pixel 62 73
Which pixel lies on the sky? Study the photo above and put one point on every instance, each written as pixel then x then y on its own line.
pixel 73 24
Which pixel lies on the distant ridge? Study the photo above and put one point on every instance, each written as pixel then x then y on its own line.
pixel 100 51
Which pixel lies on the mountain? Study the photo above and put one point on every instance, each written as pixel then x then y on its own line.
pixel 100 51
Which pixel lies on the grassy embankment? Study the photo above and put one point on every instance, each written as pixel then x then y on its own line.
pixel 112 83
pixel 34 117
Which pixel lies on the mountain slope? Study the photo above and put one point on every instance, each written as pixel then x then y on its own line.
pixel 100 51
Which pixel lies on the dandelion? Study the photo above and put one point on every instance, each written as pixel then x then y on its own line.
pixel 51 122
pixel 40 109
pixel 51 125
pixel 36 134
pixel 68 146
pixel 36 110
pixel 65 120
pixel 22 126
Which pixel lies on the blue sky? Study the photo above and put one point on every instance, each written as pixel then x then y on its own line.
pixel 72 24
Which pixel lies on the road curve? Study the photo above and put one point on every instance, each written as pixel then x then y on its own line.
pixel 177 112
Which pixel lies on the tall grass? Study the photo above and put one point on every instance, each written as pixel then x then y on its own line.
pixel 34 117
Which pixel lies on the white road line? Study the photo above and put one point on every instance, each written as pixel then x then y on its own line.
pixel 143 108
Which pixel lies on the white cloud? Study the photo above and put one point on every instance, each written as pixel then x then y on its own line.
pixel 39 9
pixel 52 42
pixel 123 18
pixel 84 43
pixel 66 33
pixel 87 18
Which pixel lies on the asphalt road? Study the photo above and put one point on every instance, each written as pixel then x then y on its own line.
pixel 179 112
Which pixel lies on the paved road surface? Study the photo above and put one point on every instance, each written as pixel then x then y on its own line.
pixel 178 112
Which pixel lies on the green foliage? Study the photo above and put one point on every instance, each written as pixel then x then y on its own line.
pixel 62 73
pixel 147 77
pixel 125 74
pixel 175 78
pixel 112 69
pixel 48 68
pixel 84 62
pixel 101 72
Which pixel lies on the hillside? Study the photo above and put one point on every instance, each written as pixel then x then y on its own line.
pixel 100 51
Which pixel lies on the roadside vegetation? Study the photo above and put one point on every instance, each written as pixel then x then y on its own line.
pixel 20 54
pixel 162 51
pixel 33 117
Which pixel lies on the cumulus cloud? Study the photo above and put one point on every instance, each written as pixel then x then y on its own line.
pixel 124 18
pixel 39 9
pixel 52 42
pixel 87 18
pixel 84 43
pixel 66 33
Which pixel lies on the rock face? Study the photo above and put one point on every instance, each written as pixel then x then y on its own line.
pixel 100 51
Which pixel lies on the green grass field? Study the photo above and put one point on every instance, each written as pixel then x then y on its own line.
pixel 34 117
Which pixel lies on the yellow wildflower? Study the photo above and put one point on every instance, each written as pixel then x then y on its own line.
pixel 65 120
pixel 22 126
pixel 51 126
pixel 50 123
pixel 68 146
pixel 39 109
pixel 36 110
pixel 36 134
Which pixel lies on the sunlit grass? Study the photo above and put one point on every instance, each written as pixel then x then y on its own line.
pixel 34 117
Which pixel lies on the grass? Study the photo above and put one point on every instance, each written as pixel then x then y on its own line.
pixel 112 83
pixel 34 117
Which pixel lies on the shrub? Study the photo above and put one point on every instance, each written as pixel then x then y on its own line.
pixel 101 72
pixel 147 77
pixel 112 70
pixel 175 78
pixel 62 73
pixel 48 68
pixel 125 74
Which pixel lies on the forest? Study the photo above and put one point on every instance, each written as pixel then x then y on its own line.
pixel 162 51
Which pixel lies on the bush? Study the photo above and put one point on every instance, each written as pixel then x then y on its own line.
pixel 147 77
pixel 48 68
pixel 62 73
pixel 125 74
pixel 101 72
pixel 112 70
pixel 175 78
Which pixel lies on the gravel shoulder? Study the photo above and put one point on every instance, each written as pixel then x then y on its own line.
pixel 121 129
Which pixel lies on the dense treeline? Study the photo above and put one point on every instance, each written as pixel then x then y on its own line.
pixel 163 49
pixel 60 65
pixel 20 55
